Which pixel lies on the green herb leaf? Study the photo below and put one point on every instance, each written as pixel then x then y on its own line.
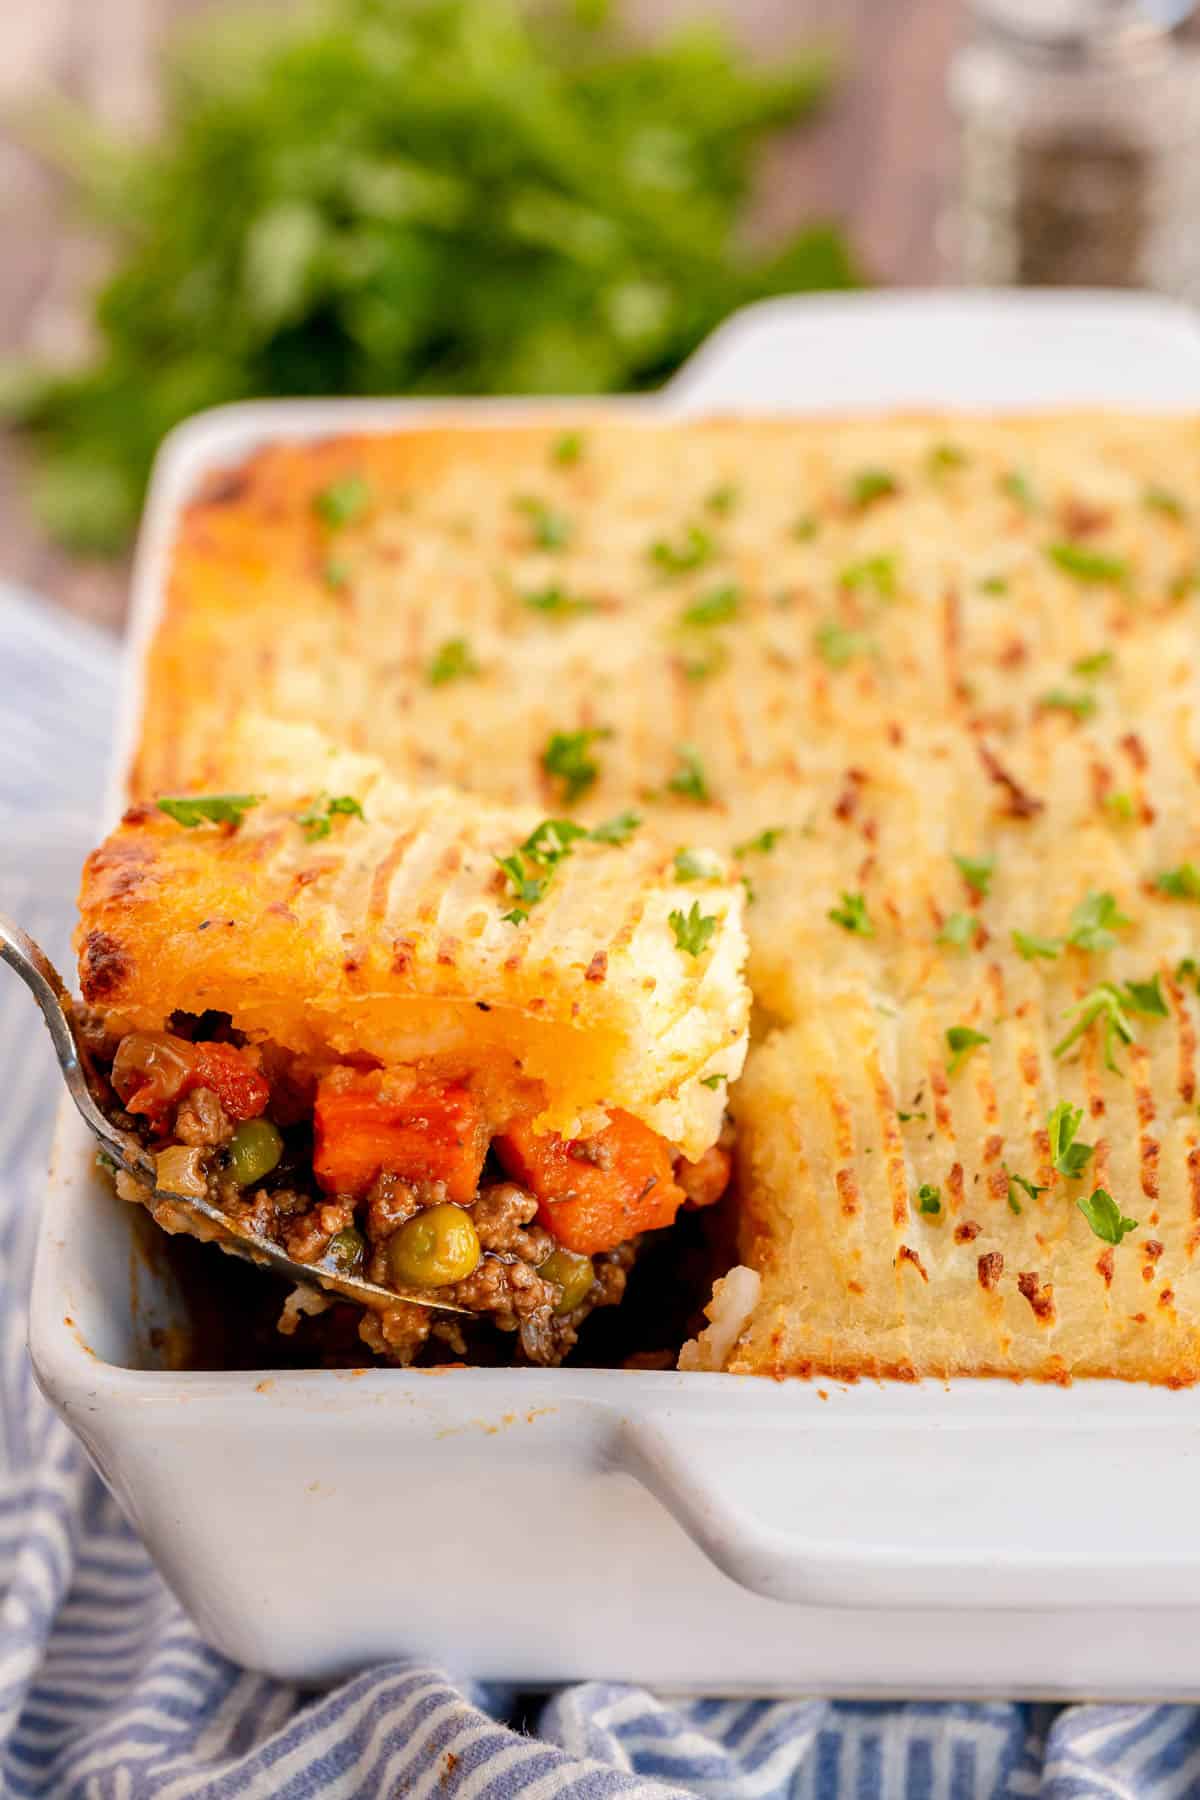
pixel 555 603
pixel 837 646
pixel 960 929
pixel 929 1199
pixel 1029 945
pixel 617 830
pixel 452 662
pixel 1095 922
pixel 904 1117
pixel 1103 1003
pixel 716 608
pixel 1147 997
pixel 317 822
pixel 1097 664
pixel 1105 1216
pixel 878 572
pixel 551 529
pixel 1080 705
pixel 1030 1187
pixel 1120 806
pixel 1162 500
pixel 723 499
pixel 870 485
pixel 1180 883
pixel 712 1081
pixel 567 449
pixel 1087 565
pixel 940 459
pixel 567 758
pixel 692 550
pixel 1068 1156
pixel 343 502
pixel 693 929
pixel 689 780
pixel 698 865
pixel 805 528
pixel 763 844
pixel 977 872
pixel 336 572
pixel 994 584
pixel 961 1040
pixel 190 810
pixel 1016 486
pixel 852 915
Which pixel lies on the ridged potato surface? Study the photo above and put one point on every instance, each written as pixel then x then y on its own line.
pixel 886 644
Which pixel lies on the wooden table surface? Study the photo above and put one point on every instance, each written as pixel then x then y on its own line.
pixel 877 160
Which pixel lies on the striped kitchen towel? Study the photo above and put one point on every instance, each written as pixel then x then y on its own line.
pixel 106 1689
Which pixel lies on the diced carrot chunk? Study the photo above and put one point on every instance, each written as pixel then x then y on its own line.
pixel 705 1180
pixel 593 1193
pixel 433 1133
pixel 238 1085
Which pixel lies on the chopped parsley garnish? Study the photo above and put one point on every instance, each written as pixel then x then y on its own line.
pixel 699 668
pixel 551 529
pixel 554 602
pixel 692 550
pixel 317 822
pixel 712 1081
pixel 878 572
pixel 1180 883
pixel 977 872
pixel 1080 705
pixel 994 584
pixel 1188 970
pixel 1068 1156
pixel 452 662
pixel 617 830
pixel 1105 1216
pixel 1147 997
pixel 689 780
pixel 943 457
pixel 852 915
pixel 837 645
pixel 531 866
pixel 1184 583
pixel 1162 500
pixel 870 485
pixel 959 929
pixel 1087 565
pixel 566 758
pixel 929 1199
pixel 1029 945
pixel 1016 486
pixel 692 929
pixel 1030 1187
pixel 961 1040
pixel 207 809
pixel 567 449
pixel 343 502
pixel 805 528
pixel 904 1117
pixel 716 608
pixel 1121 806
pixel 722 499
pixel 1103 1004
pixel 1095 922
pixel 1097 664
pixel 336 572
pixel 698 865
pixel 762 844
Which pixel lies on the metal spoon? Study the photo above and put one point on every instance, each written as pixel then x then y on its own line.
pixel 42 979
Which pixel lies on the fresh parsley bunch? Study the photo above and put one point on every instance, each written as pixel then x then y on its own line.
pixel 408 196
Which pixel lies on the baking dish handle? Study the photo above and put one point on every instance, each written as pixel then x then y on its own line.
pixel 928 1519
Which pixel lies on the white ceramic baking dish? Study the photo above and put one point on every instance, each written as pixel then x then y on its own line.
pixel 687 1531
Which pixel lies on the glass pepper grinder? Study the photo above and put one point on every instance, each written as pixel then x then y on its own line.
pixel 1079 146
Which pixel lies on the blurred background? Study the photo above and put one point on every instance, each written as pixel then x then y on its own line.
pixel 204 201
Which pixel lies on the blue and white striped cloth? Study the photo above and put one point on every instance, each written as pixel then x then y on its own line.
pixel 106 1689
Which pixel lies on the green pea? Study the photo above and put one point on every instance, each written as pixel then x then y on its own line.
pixel 573 1274
pixel 438 1246
pixel 254 1149
pixel 347 1248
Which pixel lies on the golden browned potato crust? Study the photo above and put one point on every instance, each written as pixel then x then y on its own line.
pixel 903 641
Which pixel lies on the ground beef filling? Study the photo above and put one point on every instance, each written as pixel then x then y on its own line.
pixel 303 1162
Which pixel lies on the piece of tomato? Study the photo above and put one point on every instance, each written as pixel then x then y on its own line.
pixel 241 1088
pixel 435 1132
pixel 593 1193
